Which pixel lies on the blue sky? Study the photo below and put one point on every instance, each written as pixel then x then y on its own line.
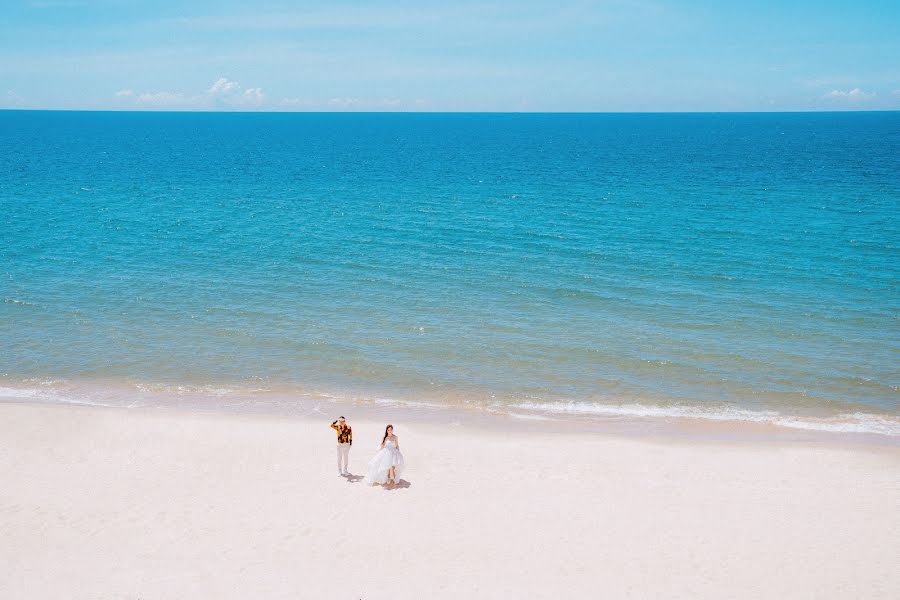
pixel 616 55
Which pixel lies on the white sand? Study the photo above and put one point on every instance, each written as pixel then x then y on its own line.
pixel 137 504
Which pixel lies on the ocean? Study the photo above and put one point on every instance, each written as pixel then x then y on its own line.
pixel 712 266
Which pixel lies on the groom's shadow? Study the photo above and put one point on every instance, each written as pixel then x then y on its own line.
pixel 353 478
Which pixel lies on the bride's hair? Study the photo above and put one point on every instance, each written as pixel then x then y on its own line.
pixel 385 432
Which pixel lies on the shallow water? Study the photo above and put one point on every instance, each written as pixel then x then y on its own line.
pixel 724 266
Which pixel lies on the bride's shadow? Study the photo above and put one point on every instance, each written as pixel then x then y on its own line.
pixel 400 485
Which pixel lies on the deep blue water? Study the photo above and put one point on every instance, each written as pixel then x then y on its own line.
pixel 572 262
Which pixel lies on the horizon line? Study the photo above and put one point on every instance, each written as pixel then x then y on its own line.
pixel 452 112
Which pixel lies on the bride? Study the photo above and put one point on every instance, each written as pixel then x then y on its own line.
pixel 387 464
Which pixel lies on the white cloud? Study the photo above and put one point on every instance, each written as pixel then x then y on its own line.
pixel 351 103
pixel 854 94
pixel 254 95
pixel 292 104
pixel 165 99
pixel 895 93
pixel 12 99
pixel 222 93
pixel 225 94
pixel 223 86
pixel 345 102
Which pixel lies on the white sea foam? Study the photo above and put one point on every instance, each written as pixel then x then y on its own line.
pixel 43 395
pixel 28 393
pixel 850 422
pixel 195 390
pixel 528 417
pixel 647 410
pixel 842 423
pixel 17 301
pixel 406 403
pixel 846 423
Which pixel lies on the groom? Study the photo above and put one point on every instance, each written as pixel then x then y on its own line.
pixel 345 440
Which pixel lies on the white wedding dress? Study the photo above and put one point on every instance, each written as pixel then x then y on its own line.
pixel 381 463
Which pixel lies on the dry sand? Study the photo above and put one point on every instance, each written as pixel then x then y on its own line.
pixel 142 504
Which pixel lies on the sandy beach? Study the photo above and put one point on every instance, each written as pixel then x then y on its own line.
pixel 153 504
pixel 621 275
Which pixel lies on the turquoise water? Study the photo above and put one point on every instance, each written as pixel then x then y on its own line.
pixel 726 265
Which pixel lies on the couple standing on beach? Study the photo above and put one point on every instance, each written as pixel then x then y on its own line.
pixel 387 464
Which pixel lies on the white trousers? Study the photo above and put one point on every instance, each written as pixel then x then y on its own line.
pixel 343 456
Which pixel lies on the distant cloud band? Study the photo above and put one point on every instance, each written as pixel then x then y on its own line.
pixel 223 93
pixel 854 94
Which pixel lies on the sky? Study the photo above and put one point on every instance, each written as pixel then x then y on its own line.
pixel 457 55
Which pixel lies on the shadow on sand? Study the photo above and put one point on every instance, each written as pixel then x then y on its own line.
pixel 400 485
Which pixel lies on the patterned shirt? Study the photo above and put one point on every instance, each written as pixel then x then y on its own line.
pixel 345 433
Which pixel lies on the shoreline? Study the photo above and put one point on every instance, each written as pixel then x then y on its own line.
pixel 627 419
pixel 683 432
pixel 158 503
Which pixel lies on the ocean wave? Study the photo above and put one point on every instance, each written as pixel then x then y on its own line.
pixel 42 395
pixel 17 301
pixel 26 393
pixel 846 423
pixel 212 391
pixel 856 422
pixel 229 398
